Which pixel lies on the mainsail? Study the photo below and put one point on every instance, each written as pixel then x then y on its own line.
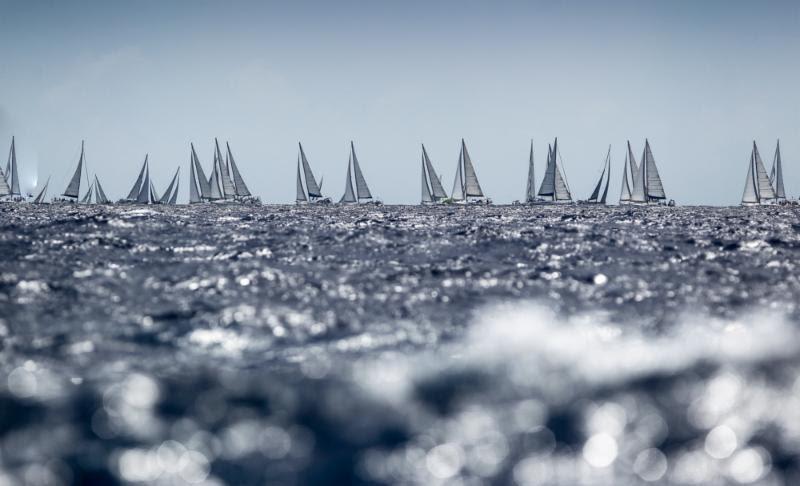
pixel 458 184
pixel 168 193
pixel 765 191
pixel 634 166
pixel 144 190
pixel 776 176
pixel 596 193
pixel 349 196
pixel 40 197
pixel 75 183
pixel 12 173
pixel 362 191
pixel 750 195
pixel 437 191
pixel 625 194
pixel 473 187
pixel 174 199
pixel 228 191
pixel 647 183
pixel 137 186
pixel 202 181
pixel 241 187
pixel 530 189
pixel 301 193
pixel 214 181
pixel 427 197
pixel 312 188
pixel 87 199
pixel 549 181
pixel 194 192
pixel 100 195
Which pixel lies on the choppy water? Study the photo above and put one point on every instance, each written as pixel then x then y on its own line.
pixel 402 345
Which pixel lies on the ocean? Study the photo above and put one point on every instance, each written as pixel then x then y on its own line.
pixel 558 345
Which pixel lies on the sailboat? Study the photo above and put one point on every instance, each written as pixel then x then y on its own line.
pixel 776 176
pixel 142 181
pixel 361 192
pixel 40 198
pixel 432 190
pixel 241 191
pixel 554 186
pixel 9 186
pixel 597 197
pixel 99 193
pixel 71 193
pixel 199 186
pixel 632 168
pixel 647 187
pixel 171 194
pixel 308 192
pixel 757 186
pixel 466 188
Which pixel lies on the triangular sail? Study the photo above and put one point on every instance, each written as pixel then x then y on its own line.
pixel 194 192
pixel 137 187
pixel 214 183
pixel 530 189
pixel 426 192
pixel 174 199
pixel 776 177
pixel 154 197
pixel 168 193
pixel 750 195
pixel 241 187
pixel 75 183
pixel 561 189
pixel 202 181
pixel 765 191
pixel 301 193
pixel 144 191
pixel 100 194
pixel 14 175
pixel 548 187
pixel 472 186
pixel 458 183
pixel 228 191
pixel 625 193
pixel 639 193
pixel 348 196
pixel 632 161
pixel 608 178
pixel 362 191
pixel 655 190
pixel 311 183
pixel 4 189
pixel 87 199
pixel 596 193
pixel 437 190
pixel 40 197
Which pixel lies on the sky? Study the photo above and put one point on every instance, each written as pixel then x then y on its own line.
pixel 700 80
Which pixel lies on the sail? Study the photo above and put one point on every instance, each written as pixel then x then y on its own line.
pixel 561 190
pixel 655 190
pixel 87 199
pixel 625 193
pixel 639 193
pixel 75 183
pixel 596 193
pixel 168 193
pixel 777 174
pixel 40 197
pixel 216 191
pixel 194 192
pixel 348 196
pixel 426 192
pixel 241 187
pixel 362 191
pixel 765 191
pixel 14 176
pixel 228 191
pixel 202 181
pixel 436 185
pixel 458 184
pixel 311 183
pixel 137 187
pixel 174 199
pixel 633 165
pixel 100 194
pixel 154 197
pixel 548 186
pixel 4 189
pixel 750 195
pixel 144 191
pixel 608 178
pixel 473 188
pixel 530 189
pixel 301 193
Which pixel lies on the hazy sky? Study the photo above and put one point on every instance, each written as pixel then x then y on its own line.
pixel 701 79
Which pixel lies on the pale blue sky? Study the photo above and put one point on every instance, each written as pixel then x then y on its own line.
pixel 700 79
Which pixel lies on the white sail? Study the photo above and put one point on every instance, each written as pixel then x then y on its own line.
pixel 596 193
pixel 202 180
pixel 74 187
pixel 174 199
pixel 13 175
pixel 437 191
pixel 301 193
pixel 632 161
pixel 137 186
pixel 241 187
pixel 427 197
pixel 530 189
pixel 562 192
pixel 349 196
pixel 776 177
pixel 625 193
pixel 472 186
pixel 458 184
pixel 168 193
pixel 40 197
pixel 87 199
pixel 144 191
pixel 750 195
pixel 608 178
pixel 639 193
pixel 655 190
pixel 312 188
pixel 548 187
pixel 100 194
pixel 362 191
pixel 765 191
pixel 154 197
pixel 194 192
pixel 226 184
pixel 214 183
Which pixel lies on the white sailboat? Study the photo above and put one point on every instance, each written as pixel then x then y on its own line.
pixel 466 188
pixel 647 186
pixel 432 190
pixel 597 197
pixel 776 175
pixel 362 192
pixel 308 192
pixel 757 187
pixel 554 186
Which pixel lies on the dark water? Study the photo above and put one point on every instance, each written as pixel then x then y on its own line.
pixel 401 345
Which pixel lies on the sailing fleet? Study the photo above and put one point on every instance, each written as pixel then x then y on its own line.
pixel 641 182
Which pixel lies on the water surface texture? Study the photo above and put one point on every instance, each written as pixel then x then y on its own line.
pixel 399 345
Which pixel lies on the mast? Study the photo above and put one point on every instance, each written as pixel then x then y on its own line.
pixel 241 187
pixel 137 186
pixel 362 191
pixel 73 189
pixel 530 189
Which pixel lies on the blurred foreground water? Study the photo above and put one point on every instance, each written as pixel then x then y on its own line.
pixel 399 345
